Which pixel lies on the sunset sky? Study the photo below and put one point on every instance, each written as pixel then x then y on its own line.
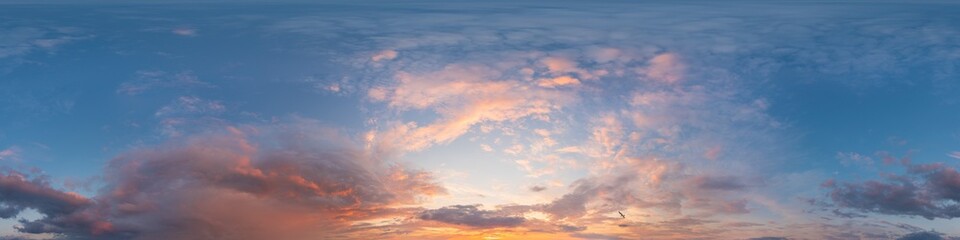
pixel 494 120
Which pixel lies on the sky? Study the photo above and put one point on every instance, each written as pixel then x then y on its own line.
pixel 480 120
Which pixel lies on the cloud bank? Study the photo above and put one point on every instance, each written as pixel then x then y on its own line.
pixel 263 182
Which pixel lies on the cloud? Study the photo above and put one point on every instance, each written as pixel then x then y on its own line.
pixel 838 213
pixel 665 68
pixel 571 228
pixel 537 188
pixel 955 154
pixel 720 183
pixel 922 236
pixel 384 55
pixel 558 81
pixel 851 158
pixel 619 189
pixel 189 105
pixel 152 80
pixel 471 215
pixel 595 236
pixel 64 212
pixel 712 153
pixel 705 105
pixel 19 41
pixel 189 113
pixel 927 190
pixel 10 153
pixel 15 238
pixel 185 31
pixel 279 181
pixel 462 96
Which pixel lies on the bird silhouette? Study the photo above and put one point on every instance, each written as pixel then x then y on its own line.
pixel 621 214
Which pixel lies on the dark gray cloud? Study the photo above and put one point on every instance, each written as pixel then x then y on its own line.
pixel 471 215
pixel 922 236
pixel 537 188
pixel 571 228
pixel 63 212
pixel 723 183
pixel 839 213
pixel 927 190
pixel 14 238
pixel 594 236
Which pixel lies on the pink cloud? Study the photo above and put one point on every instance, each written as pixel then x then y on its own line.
pixel 558 81
pixel 713 153
pixel 9 153
pixel 384 55
pixel 559 65
pixel 463 96
pixel 665 67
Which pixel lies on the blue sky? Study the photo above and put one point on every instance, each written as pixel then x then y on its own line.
pixel 734 120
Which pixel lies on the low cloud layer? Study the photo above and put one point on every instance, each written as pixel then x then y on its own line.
pixel 471 215
pixel 926 190
pixel 250 183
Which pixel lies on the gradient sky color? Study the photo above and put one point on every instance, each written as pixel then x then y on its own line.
pixel 469 120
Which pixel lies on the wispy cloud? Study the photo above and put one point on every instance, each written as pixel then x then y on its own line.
pixel 10 153
pixel 185 31
pixel 152 80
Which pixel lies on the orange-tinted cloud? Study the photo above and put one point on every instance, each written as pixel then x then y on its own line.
pixel 558 81
pixel 273 182
pixel 384 55
pixel 462 96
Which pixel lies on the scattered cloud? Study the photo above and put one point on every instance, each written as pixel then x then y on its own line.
pixel 463 96
pixel 665 67
pixel 189 113
pixel 189 105
pixel 19 41
pixel 852 158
